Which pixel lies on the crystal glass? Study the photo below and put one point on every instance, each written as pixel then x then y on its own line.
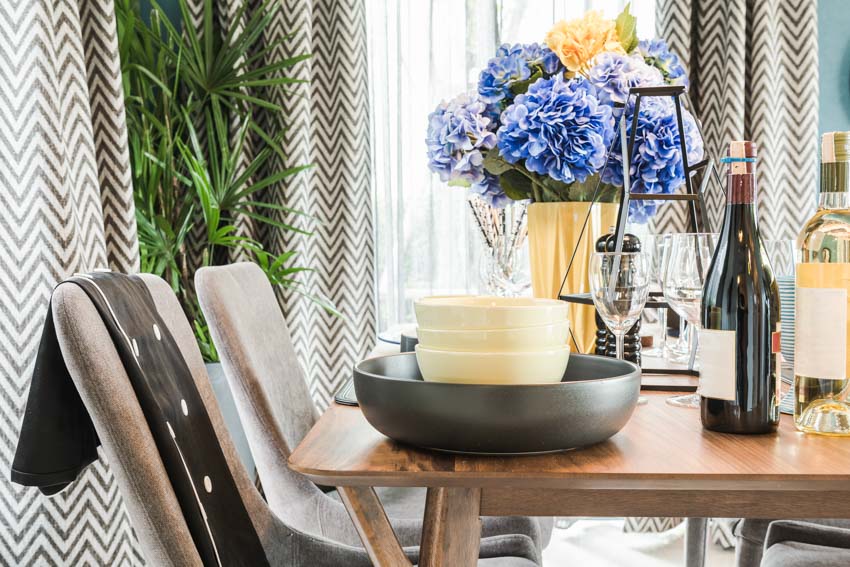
pixel 783 259
pixel 619 285
pixel 656 248
pixel 690 258
pixel 504 261
pixel 679 351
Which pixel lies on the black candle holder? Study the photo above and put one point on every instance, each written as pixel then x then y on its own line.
pixel 693 195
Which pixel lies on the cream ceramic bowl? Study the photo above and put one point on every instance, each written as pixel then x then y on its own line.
pixel 468 312
pixel 522 339
pixel 541 367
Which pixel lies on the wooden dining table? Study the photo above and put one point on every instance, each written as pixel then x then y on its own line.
pixel 662 463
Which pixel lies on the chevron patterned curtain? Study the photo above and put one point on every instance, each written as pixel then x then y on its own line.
pixel 65 206
pixel 329 121
pixel 327 118
pixel 753 66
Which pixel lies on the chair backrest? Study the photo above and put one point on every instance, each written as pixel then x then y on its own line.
pixel 269 388
pixel 105 389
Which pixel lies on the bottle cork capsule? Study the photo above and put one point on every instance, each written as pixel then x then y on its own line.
pixel 741 149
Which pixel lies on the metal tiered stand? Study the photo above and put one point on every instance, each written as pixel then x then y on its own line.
pixel 693 196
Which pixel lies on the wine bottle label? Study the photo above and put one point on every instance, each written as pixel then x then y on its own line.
pixel 821 325
pixel 717 364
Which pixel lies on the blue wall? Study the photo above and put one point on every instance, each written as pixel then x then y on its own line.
pixel 834 48
pixel 170 7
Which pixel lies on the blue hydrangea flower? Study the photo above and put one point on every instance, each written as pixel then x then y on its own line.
pixel 558 128
pixel 656 165
pixel 613 74
pixel 640 212
pixel 512 64
pixel 459 134
pixel 656 53
pixel 539 55
pixel 490 190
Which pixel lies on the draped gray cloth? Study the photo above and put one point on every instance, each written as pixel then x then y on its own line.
pixel 753 66
pixel 66 206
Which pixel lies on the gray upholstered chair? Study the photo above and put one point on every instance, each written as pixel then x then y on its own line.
pixel 276 409
pixel 804 544
pixel 752 535
pixel 295 538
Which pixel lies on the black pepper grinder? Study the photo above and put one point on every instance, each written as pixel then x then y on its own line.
pixel 605 342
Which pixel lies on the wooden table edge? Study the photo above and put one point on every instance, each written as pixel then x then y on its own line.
pixel 595 481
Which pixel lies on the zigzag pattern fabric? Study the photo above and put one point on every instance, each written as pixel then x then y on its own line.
pixel 327 121
pixel 330 129
pixel 66 205
pixel 753 67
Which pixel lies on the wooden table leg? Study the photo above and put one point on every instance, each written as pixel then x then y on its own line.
pixel 451 533
pixel 696 534
pixel 372 525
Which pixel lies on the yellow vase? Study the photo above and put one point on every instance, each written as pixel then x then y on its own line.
pixel 554 232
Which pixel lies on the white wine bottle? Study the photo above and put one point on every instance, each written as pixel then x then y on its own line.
pixel 821 363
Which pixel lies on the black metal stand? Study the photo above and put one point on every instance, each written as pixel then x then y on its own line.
pixel 693 195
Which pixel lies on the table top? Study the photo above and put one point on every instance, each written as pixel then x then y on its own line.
pixel 661 447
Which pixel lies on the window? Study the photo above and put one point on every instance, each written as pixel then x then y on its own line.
pixel 422 52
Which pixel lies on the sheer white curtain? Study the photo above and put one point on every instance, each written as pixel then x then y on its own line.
pixel 422 52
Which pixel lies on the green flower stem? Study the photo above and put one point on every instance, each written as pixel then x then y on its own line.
pixel 537 189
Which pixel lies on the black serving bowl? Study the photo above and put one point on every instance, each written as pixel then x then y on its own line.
pixel 593 401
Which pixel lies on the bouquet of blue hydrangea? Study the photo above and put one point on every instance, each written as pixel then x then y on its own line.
pixel 543 119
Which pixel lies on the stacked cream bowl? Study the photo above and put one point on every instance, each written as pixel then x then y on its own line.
pixel 492 340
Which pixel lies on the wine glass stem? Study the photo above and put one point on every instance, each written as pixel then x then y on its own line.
pixel 692 340
pixel 619 339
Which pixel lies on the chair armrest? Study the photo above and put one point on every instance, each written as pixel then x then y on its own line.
pixel 516 545
pixel 303 549
pixel 807 532
pixel 513 545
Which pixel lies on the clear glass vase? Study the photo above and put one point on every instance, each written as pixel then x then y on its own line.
pixel 504 258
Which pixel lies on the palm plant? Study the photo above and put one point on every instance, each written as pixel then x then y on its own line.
pixel 192 101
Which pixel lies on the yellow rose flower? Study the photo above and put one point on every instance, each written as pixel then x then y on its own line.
pixel 576 42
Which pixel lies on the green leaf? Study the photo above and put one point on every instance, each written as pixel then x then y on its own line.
pixel 552 190
pixel 521 87
pixel 515 185
pixel 495 164
pixel 627 30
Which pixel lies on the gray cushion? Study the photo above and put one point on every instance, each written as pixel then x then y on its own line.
pixel 795 554
pixel 791 543
pixel 506 562
pixel 751 535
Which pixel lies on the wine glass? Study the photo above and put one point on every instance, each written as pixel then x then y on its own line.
pixel 657 250
pixel 690 259
pixel 782 255
pixel 619 286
